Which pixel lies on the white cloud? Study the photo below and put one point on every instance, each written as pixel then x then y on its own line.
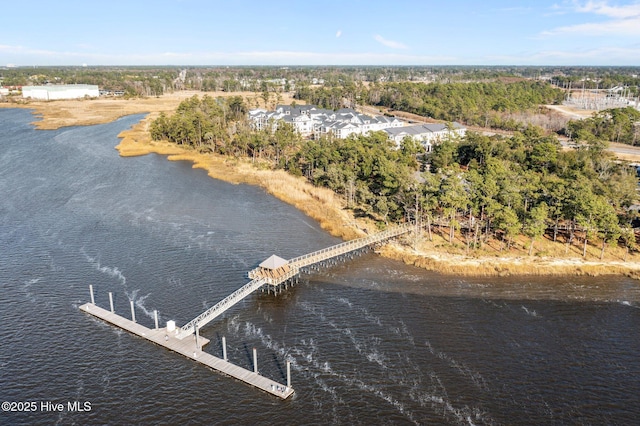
pixel 21 50
pixel 600 56
pixel 623 27
pixel 338 33
pixel 8 48
pixel 623 20
pixel 329 58
pixel 627 55
pixel 389 43
pixel 603 8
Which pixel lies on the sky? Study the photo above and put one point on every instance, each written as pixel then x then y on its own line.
pixel 317 32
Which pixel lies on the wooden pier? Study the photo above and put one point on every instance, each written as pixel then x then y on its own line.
pixel 279 271
pixel 289 268
pixel 191 350
pixel 271 273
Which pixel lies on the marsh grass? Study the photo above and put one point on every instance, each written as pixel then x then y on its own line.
pixel 320 204
pixel 329 209
pixel 439 255
pixel 548 259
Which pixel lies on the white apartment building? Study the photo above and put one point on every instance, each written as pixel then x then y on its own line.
pixel 427 134
pixel 311 121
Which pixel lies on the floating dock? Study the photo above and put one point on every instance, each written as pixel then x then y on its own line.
pixel 272 272
pixel 190 349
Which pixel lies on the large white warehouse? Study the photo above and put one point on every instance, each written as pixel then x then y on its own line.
pixel 62 91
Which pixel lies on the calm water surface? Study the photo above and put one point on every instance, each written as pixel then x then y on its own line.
pixel 371 341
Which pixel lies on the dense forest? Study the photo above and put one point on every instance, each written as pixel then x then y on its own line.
pixel 152 81
pixel 507 98
pixel 478 187
pixel 487 104
pixel 477 103
pixel 143 81
pixel 205 123
pixel 621 125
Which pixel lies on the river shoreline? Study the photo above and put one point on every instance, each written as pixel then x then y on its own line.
pixel 325 206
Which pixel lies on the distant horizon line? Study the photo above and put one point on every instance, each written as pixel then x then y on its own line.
pixel 13 66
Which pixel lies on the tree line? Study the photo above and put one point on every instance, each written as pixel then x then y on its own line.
pixel 220 125
pixel 621 125
pixel 254 78
pixel 484 104
pixel 134 81
pixel 479 187
pixel 526 184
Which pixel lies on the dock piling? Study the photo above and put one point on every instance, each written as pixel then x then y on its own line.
pixel 274 281
pixel 224 348
pixel 255 361
pixel 197 334
pixel 187 347
pixel 133 311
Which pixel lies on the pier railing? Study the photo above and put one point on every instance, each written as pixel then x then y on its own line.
pixel 258 279
pixel 292 272
pixel 347 246
pixel 217 309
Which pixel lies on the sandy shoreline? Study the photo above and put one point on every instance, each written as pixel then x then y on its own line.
pixel 322 204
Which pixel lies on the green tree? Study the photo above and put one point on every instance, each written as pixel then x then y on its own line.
pixel 597 218
pixel 443 155
pixel 535 223
pixel 628 236
pixel 453 198
pixel 507 220
pixel 431 189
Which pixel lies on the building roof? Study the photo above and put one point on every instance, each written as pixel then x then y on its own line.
pixel 420 129
pixel 346 119
pixel 273 262
pixel 407 130
pixel 61 87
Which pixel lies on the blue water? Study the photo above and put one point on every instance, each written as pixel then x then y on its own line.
pixel 371 341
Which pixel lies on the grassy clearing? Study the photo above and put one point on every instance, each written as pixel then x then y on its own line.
pixel 81 112
pixel 548 258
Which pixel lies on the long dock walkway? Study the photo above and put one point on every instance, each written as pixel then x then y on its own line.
pixel 189 349
pixel 285 271
pixel 293 266
pixel 220 307
pixel 347 247
pixel 273 271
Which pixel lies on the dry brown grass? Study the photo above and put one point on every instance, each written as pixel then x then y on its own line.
pixel 321 204
pixel 492 266
pixel 329 210
pixel 82 112
pixel 571 112
pixel 548 258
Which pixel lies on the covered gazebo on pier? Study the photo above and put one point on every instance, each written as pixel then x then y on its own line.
pixel 273 268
